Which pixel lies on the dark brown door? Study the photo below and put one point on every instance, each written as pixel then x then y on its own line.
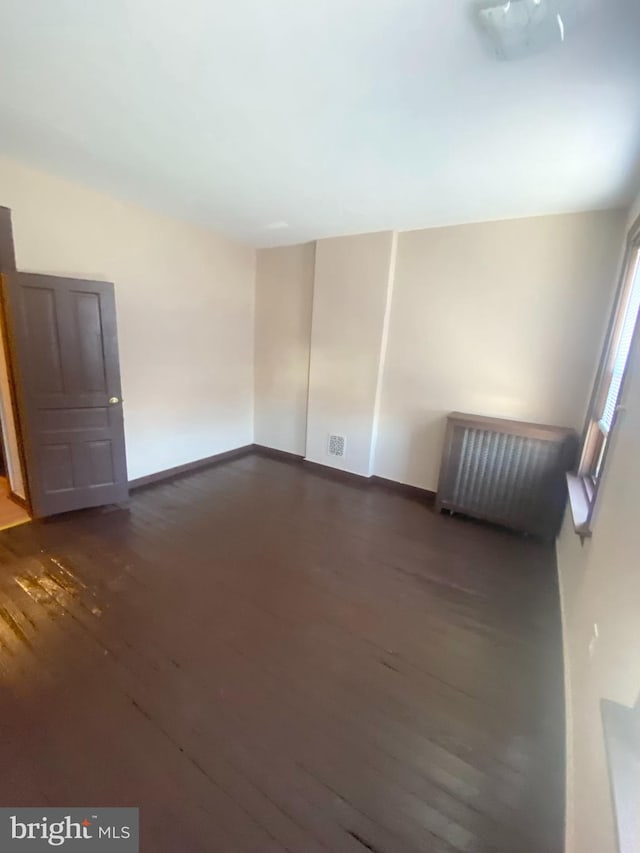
pixel 64 352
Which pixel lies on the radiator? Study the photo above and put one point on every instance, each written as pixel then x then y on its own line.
pixel 508 472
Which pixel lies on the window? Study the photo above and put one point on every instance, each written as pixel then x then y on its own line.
pixel 605 400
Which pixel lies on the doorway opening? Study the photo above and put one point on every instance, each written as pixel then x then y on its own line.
pixel 13 493
pixel 60 390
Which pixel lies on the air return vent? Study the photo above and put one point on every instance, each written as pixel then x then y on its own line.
pixel 336 445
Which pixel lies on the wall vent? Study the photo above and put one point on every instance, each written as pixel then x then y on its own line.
pixel 336 445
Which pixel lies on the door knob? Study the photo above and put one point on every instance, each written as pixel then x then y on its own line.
pixel 114 400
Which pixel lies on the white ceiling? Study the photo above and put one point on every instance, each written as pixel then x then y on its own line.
pixel 335 116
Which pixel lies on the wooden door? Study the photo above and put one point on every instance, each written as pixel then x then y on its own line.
pixel 64 353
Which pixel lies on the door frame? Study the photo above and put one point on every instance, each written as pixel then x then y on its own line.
pixel 9 399
pixel 9 395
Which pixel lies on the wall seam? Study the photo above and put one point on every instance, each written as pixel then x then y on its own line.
pixel 254 372
pixel 382 359
pixel 306 408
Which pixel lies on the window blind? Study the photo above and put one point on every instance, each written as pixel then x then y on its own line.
pixel 623 347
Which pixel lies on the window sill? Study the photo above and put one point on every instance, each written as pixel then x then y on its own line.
pixel 580 502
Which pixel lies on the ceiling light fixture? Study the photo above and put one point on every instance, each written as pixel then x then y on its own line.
pixel 518 28
pixel 277 225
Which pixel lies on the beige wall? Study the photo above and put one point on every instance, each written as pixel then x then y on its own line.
pixel 185 312
pixel 495 319
pixel 500 318
pixel 600 583
pixel 284 296
pixel 349 304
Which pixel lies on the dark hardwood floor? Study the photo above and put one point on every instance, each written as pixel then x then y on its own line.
pixel 264 659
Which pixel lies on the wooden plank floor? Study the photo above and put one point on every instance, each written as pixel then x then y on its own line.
pixel 10 513
pixel 264 659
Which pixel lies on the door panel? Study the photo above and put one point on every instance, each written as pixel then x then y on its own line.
pixel 99 467
pixel 91 344
pixel 57 468
pixel 64 345
pixel 40 319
